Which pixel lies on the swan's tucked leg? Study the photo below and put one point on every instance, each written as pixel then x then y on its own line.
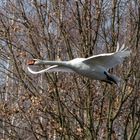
pixel 107 81
pixel 111 78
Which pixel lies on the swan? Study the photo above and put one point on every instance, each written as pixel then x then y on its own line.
pixel 95 67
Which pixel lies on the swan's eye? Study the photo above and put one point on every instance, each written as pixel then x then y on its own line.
pixel 31 62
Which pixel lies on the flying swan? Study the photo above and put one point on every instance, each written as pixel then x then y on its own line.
pixel 95 67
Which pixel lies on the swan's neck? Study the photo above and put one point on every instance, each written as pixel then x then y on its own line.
pixel 60 63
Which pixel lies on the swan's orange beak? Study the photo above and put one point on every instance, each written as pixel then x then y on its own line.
pixel 31 62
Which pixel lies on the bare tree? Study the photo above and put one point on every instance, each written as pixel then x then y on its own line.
pixel 59 106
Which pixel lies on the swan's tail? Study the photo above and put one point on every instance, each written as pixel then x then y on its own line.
pixel 116 79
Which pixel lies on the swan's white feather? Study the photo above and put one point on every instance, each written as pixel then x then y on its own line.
pixel 54 68
pixel 109 60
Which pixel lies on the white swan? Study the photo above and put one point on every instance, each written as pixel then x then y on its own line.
pixel 94 67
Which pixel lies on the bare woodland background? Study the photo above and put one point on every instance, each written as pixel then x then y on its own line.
pixel 61 106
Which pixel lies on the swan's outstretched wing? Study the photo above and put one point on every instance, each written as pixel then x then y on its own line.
pixel 54 68
pixel 109 60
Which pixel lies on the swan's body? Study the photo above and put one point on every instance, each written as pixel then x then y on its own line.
pixel 94 67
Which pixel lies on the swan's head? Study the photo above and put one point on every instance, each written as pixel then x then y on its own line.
pixel 33 62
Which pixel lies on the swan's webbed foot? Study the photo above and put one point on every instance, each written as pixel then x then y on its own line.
pixel 109 79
